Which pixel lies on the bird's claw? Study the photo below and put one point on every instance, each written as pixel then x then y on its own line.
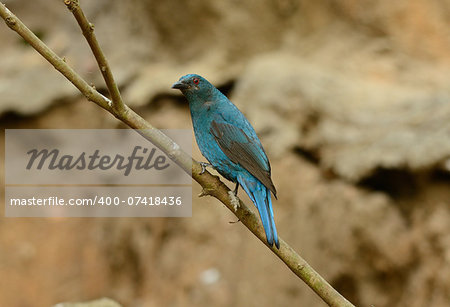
pixel 204 165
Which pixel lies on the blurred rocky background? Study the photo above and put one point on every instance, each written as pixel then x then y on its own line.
pixel 351 100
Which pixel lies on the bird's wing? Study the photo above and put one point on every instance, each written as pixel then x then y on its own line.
pixel 243 150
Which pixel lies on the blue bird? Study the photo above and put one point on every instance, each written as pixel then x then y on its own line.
pixel 230 144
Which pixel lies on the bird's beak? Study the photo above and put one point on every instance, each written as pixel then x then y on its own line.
pixel 179 85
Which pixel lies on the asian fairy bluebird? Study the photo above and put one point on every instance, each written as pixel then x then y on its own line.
pixel 230 144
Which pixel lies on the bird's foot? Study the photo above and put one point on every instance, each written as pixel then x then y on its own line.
pixel 234 200
pixel 204 165
pixel 234 222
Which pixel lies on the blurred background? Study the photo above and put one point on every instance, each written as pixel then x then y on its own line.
pixel 351 100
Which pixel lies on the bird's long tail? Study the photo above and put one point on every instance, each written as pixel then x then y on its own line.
pixel 260 196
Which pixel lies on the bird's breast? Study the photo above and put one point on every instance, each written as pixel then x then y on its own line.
pixel 211 150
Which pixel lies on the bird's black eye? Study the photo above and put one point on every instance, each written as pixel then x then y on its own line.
pixel 195 80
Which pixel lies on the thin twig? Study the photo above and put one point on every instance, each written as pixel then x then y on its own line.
pixel 211 184
pixel 88 31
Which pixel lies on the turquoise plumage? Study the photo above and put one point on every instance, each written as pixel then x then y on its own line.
pixel 230 144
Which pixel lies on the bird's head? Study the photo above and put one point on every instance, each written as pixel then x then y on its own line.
pixel 194 86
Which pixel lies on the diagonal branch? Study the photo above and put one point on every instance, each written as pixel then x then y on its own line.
pixel 211 184
pixel 88 31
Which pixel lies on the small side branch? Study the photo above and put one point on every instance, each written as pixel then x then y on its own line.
pixel 88 31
